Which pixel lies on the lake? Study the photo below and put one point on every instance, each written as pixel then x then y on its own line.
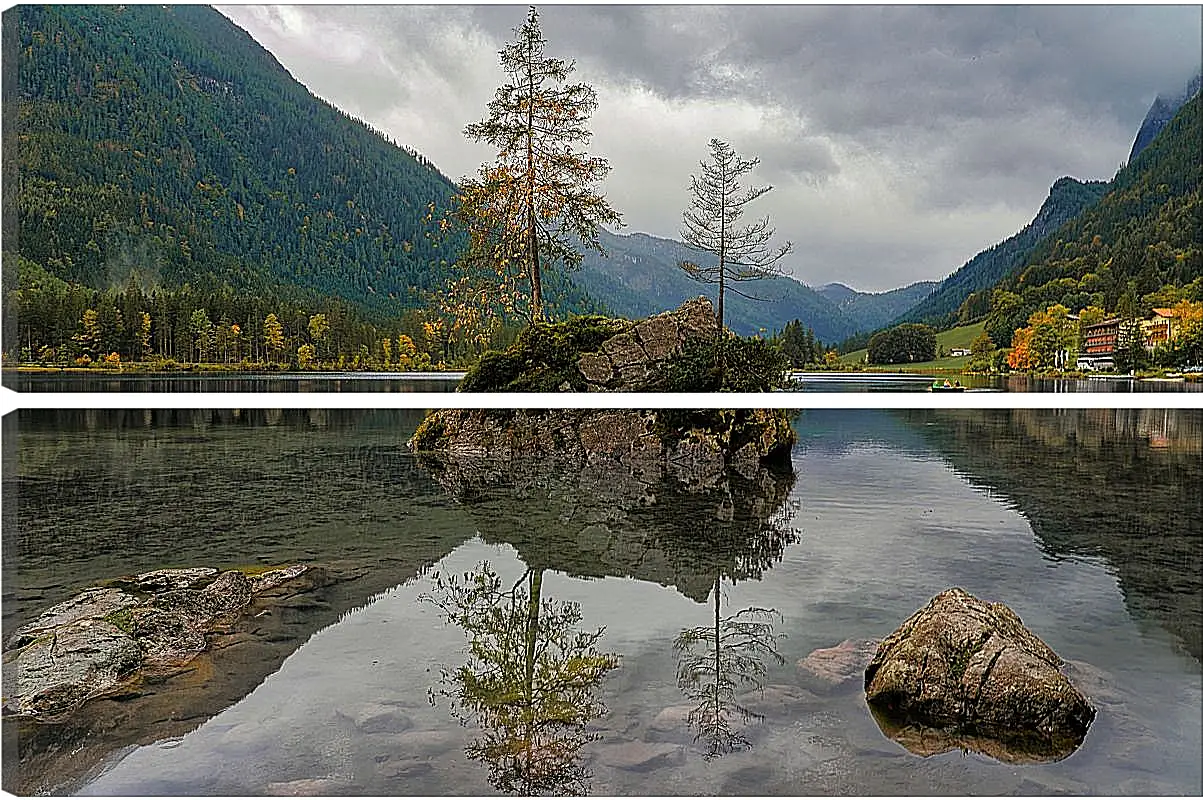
pixel 99 381
pixel 1086 522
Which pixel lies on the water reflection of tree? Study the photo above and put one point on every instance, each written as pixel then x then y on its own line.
pixel 716 661
pixel 607 519
pixel 528 683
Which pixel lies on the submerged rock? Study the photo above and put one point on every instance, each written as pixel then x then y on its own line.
pixel 971 671
pixel 844 661
pixel 640 756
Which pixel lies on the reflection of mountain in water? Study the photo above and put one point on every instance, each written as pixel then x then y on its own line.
pixel 1119 484
pixel 603 519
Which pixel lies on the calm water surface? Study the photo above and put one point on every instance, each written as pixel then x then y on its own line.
pixel 1087 523
pixel 446 382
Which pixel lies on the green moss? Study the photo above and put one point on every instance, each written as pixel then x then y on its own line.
pixel 963 654
pixel 729 364
pixel 543 357
pixel 123 619
pixel 428 434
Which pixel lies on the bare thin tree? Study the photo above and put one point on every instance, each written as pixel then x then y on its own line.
pixel 711 224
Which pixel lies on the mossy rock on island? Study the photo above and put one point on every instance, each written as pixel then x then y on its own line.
pixel 676 351
pixel 695 447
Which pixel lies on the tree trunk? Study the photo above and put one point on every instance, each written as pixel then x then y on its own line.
pixel 536 280
pixel 532 626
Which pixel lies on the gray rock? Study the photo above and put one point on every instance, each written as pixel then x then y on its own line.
pixel 623 350
pixel 273 578
pixel 843 662
pixel 161 580
pixel 631 361
pixel 383 720
pixel 310 787
pixel 637 373
pixel 696 319
pixel 89 645
pixel 658 336
pixel 613 432
pixel 169 637
pixel 671 719
pixel 376 718
pixel 962 665
pixel 89 604
pixel 60 670
pixel 596 368
pixel 778 701
pixel 413 743
pixel 400 770
pixel 228 593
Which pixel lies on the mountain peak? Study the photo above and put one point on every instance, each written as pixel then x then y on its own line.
pixel 1162 110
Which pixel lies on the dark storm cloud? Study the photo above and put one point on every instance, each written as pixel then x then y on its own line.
pixel 901 139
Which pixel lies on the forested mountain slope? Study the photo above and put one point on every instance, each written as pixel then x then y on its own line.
pixel 165 141
pixel 1145 232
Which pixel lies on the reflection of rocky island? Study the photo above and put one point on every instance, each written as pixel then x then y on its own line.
pixel 676 513
pixel 684 499
pixel 1121 484
pixel 529 683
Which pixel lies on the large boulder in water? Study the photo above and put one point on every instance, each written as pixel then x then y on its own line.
pixel 971 669
pixel 105 638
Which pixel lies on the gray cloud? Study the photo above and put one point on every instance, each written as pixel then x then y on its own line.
pixel 901 139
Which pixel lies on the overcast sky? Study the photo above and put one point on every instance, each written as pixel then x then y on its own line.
pixel 900 140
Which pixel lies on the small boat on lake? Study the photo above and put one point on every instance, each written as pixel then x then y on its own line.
pixel 937 386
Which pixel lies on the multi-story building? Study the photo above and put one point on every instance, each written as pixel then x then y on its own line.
pixel 1099 341
pixel 1160 329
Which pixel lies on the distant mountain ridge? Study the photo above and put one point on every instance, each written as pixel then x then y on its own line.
pixel 872 310
pixel 639 276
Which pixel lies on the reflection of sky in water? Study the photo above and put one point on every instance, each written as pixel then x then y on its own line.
pixel 884 524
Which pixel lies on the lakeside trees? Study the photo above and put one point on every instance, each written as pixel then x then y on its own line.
pixel 66 324
pixel 903 344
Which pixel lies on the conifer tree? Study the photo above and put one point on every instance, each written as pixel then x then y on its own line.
pixel 526 210
pixel 711 224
